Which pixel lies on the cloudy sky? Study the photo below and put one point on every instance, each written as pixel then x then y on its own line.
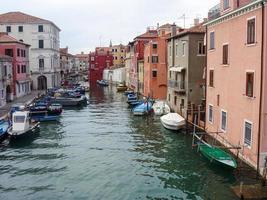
pixel 86 24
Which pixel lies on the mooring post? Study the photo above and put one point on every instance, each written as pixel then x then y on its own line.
pixel 241 190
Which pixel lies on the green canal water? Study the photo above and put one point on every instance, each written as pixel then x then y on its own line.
pixel 103 152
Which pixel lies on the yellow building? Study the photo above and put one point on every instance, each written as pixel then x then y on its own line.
pixel 119 54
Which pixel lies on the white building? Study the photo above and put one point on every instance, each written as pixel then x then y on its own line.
pixel 117 75
pixel 43 36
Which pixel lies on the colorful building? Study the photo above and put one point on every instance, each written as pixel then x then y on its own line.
pixel 119 53
pixel 186 62
pixel 155 64
pixel 19 52
pixel 43 36
pixel 98 61
pixel 129 62
pixel 83 61
pixel 67 62
pixel 6 79
pixel 237 77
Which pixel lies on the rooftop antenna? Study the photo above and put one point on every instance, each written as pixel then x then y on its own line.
pixel 183 17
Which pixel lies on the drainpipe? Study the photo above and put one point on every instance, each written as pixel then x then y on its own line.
pixel 206 75
pixel 261 86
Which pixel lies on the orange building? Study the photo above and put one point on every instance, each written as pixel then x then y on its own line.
pixel 155 65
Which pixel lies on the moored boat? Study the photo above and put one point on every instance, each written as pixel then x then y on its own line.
pixel 172 121
pixel 161 108
pixel 4 125
pixel 102 82
pixel 121 87
pixel 143 109
pixel 22 126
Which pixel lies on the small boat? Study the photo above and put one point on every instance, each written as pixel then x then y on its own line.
pixel 102 82
pixel 143 109
pixel 172 121
pixel 40 117
pixel 67 101
pixel 22 126
pixel 135 103
pixel 215 154
pixel 121 87
pixel 127 92
pixel 161 108
pixel 4 125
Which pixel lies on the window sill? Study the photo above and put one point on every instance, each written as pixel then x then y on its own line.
pixel 225 65
pixel 211 86
pixel 211 50
pixel 247 146
pixel 201 55
pixel 250 98
pixel 211 122
pixel 251 45
pixel 223 131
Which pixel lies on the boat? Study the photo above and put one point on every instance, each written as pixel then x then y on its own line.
pixel 43 117
pixel 67 101
pixel 102 82
pixel 22 126
pixel 161 108
pixel 135 103
pixel 121 87
pixel 172 121
pixel 127 92
pixel 4 125
pixel 143 109
pixel 215 155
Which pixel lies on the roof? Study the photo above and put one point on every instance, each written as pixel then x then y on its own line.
pixel 200 28
pixel 5 38
pixel 19 17
pixel 166 26
pixel 148 34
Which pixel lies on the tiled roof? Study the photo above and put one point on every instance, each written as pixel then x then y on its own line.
pixel 194 29
pixel 148 34
pixel 5 38
pixel 19 17
pixel 165 26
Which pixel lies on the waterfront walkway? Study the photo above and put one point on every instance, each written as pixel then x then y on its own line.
pixel 25 99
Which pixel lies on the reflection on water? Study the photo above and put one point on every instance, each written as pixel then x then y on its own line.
pixel 103 152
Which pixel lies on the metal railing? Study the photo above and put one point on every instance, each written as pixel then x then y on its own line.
pixel 179 85
pixel 214 12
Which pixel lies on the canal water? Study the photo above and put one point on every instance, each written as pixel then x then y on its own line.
pixel 103 152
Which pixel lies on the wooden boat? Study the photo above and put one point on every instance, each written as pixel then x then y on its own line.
pixel 4 125
pixel 127 92
pixel 102 82
pixel 22 126
pixel 135 103
pixel 143 109
pixel 161 108
pixel 172 121
pixel 215 154
pixel 66 101
pixel 121 87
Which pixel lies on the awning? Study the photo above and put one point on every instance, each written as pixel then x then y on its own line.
pixel 177 69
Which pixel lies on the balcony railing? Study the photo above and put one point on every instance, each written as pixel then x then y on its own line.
pixel 214 12
pixel 177 85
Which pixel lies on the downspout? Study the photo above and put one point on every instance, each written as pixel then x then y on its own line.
pixel 261 86
pixel 206 75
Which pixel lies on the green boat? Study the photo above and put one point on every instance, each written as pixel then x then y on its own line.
pixel 217 155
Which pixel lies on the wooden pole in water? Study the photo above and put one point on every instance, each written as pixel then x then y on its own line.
pixel 241 190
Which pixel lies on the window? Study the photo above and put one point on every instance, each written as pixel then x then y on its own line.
pixel 249 84
pixel 182 103
pixel 18 52
pixel 176 50
pixel 225 4
pixel 170 74
pixel 41 64
pixel 212 40
pixel 9 52
pixel 175 100
pixel 170 51
pixel 155 59
pixel 155 46
pixel 210 113
pixel 251 31
pixel 18 69
pixel 92 58
pixel 201 48
pixel 154 73
pixel 211 81
pixel 41 44
pixel 218 100
pixel 8 29
pixel 5 70
pixel 40 28
pixel 148 59
pixel 225 54
pixel 248 133
pixel 223 120
pixel 183 50
pixel 20 29
pixel 169 97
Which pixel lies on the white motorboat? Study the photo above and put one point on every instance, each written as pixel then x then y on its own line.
pixel 22 126
pixel 161 108
pixel 172 121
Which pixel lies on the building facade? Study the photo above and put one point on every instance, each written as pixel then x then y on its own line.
pixel 6 79
pixel 67 62
pixel 43 36
pixel 19 52
pixel 237 77
pixel 98 61
pixel 119 54
pixel 186 62
pixel 83 61
pixel 129 62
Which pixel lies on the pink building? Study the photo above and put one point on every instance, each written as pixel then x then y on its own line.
pixel 19 52
pixel 237 77
pixel 155 64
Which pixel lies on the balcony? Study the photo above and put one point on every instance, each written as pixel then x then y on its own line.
pixel 214 12
pixel 178 86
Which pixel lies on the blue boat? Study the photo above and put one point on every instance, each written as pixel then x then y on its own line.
pixel 4 125
pixel 102 83
pixel 135 103
pixel 127 92
pixel 45 118
pixel 143 109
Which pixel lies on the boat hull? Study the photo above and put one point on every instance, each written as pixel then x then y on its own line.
pixel 33 130
pixel 172 127
pixel 172 123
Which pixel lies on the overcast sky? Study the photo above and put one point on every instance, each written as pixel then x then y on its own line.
pixel 86 24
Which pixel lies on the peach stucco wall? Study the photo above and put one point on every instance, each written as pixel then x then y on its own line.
pixel 155 87
pixel 230 81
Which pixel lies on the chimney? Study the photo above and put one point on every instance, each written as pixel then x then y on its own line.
pixel 205 19
pixel 148 29
pixel 196 21
pixel 157 25
pixel 173 30
pixel 83 52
